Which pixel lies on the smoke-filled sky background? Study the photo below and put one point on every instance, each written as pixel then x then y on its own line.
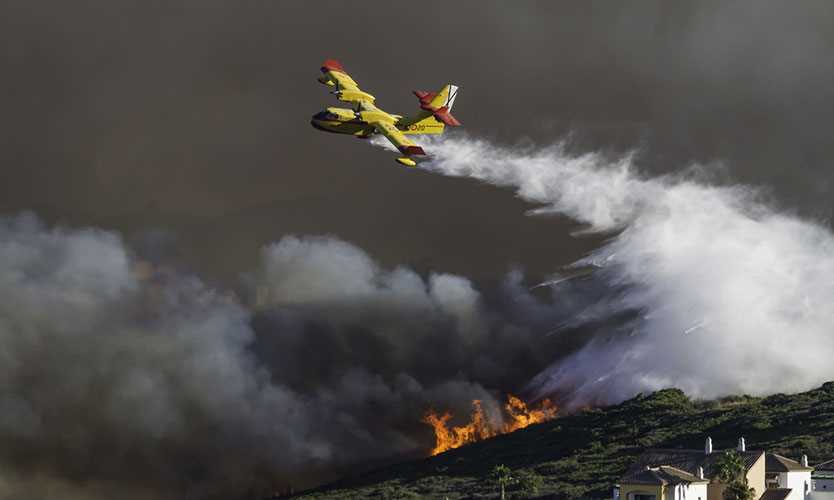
pixel 203 295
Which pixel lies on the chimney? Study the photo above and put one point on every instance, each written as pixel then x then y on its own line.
pixel 742 447
pixel 804 460
pixel 708 446
pixel 700 472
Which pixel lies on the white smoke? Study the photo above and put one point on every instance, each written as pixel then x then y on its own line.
pixel 327 272
pixel 730 296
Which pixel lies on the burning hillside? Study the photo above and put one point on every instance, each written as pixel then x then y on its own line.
pixel 516 415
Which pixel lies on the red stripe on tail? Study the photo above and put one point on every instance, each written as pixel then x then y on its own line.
pixel 425 97
pixel 443 115
pixel 332 65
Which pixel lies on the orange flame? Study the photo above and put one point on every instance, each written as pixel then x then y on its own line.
pixel 521 416
pixel 517 416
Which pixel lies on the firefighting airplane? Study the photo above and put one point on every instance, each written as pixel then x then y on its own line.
pixel 364 119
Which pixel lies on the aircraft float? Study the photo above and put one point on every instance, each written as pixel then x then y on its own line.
pixel 363 119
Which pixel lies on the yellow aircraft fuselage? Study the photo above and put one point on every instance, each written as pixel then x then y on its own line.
pixel 365 119
pixel 350 122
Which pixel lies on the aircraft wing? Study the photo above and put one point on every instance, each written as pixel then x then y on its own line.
pixel 398 139
pixel 334 70
pixel 347 89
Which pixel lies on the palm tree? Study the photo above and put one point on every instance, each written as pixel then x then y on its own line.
pixel 504 477
pixel 730 467
pixel 739 491
pixel 730 470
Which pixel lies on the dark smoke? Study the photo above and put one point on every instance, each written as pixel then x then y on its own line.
pixel 119 375
pixel 114 372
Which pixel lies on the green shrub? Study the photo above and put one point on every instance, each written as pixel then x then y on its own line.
pixel 567 491
pixel 529 483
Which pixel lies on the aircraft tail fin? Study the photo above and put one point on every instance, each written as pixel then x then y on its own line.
pixel 436 112
pixel 440 103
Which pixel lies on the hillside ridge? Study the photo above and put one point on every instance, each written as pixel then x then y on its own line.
pixel 580 456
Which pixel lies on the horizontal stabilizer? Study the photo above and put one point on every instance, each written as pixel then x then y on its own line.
pixel 443 115
pixel 425 97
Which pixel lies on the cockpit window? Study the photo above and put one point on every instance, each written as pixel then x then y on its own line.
pixel 325 115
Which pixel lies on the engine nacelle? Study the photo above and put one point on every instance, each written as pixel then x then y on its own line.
pixel 341 114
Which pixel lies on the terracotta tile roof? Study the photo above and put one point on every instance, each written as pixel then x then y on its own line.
pixel 778 463
pixel 776 494
pixel 645 476
pixel 661 475
pixel 686 460
pixel 827 466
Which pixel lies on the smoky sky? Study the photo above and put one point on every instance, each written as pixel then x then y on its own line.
pixel 191 119
pixel 205 289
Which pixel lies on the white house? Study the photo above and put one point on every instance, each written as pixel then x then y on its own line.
pixel 822 481
pixel 784 473
pixel 678 474
pixel 662 483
